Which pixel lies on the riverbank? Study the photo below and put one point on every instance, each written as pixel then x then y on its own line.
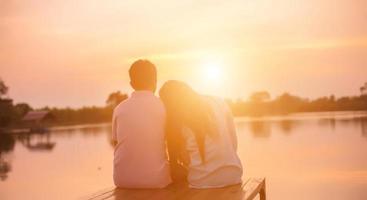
pixel 300 116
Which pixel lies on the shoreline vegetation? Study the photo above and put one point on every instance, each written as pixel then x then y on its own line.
pixel 257 105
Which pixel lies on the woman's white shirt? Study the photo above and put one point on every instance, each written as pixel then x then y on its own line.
pixel 222 166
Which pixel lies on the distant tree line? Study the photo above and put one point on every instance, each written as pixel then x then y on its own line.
pixel 258 104
pixel 88 114
pixel 11 115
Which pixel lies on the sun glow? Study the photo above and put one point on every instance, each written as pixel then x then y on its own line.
pixel 212 77
pixel 213 72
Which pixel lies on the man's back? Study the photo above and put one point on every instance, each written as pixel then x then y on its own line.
pixel 140 155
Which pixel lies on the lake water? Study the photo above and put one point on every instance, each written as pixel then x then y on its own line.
pixel 302 156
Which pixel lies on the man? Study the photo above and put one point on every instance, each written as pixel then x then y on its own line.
pixel 138 125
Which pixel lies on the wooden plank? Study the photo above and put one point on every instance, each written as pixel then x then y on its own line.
pixel 102 194
pixel 247 191
pixel 254 187
pixel 140 194
pixel 230 192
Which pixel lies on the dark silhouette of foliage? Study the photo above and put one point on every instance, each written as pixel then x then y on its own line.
pixel 115 98
pixel 21 109
pixel 83 115
pixel 7 143
pixel 288 103
pixel 363 89
pixel 258 104
pixel 260 96
pixel 6 112
pixel 3 88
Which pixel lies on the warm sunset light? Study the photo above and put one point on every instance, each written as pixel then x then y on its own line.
pixel 193 94
pixel 213 72
pixel 79 52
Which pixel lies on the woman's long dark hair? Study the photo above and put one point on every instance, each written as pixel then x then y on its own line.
pixel 185 108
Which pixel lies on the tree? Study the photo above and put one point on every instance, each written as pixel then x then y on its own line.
pixel 287 103
pixel 3 88
pixel 260 97
pixel 6 106
pixel 332 98
pixel 115 98
pixel 21 109
pixel 362 89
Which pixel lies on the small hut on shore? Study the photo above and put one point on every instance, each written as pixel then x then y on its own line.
pixel 37 120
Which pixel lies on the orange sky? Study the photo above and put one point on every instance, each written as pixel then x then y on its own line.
pixel 75 52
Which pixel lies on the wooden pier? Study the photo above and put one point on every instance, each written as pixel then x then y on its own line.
pixel 248 190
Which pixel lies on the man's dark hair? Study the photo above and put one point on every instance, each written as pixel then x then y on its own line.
pixel 143 75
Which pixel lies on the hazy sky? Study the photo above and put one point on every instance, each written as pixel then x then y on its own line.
pixel 75 52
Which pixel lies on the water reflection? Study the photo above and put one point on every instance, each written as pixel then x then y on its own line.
pixel 37 141
pixel 7 143
pixel 85 130
pixel 302 153
pixel 263 128
pixel 363 124
pixel 43 141
pixel 364 127
pixel 287 126
pixel 357 122
pixel 260 129
pixel 331 122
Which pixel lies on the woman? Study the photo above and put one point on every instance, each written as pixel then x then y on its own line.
pixel 201 137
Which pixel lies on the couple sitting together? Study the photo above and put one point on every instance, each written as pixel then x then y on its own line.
pixel 180 137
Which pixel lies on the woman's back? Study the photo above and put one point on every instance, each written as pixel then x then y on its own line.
pixel 222 167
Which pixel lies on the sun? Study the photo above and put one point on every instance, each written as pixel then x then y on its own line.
pixel 212 72
pixel 212 75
